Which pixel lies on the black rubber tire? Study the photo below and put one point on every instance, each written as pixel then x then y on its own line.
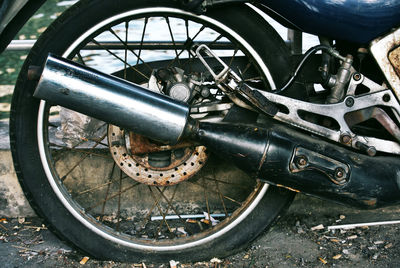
pixel 24 144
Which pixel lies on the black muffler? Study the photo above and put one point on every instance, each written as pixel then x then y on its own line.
pixel 273 153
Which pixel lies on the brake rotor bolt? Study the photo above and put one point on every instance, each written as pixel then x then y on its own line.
pixel 349 102
pixel 386 98
pixel 357 76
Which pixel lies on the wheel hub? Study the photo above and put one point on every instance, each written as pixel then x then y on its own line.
pixel 154 164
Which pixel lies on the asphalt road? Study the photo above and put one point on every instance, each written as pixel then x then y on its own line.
pixel 299 239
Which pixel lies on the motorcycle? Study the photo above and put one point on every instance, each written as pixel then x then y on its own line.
pixel 160 130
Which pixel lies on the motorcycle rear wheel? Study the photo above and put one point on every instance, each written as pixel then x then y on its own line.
pixel 86 197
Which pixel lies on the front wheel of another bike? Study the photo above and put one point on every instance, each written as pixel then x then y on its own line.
pixel 115 194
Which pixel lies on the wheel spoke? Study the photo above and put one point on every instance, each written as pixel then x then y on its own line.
pixel 148 215
pixel 210 44
pixel 173 40
pixel 221 198
pixel 125 43
pixel 246 68
pixel 52 125
pixel 156 202
pixel 206 199
pixel 119 200
pixel 126 47
pixel 119 58
pixel 142 39
pixel 80 160
pixel 170 204
pixel 224 196
pixel 233 57
pixel 110 178
pixel 187 41
pixel 225 182
pixel 112 197
pixel 81 59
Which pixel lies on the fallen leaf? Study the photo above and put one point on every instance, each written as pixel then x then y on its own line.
pixel 84 260
pixel 352 237
pixel 318 227
pixel 388 245
pixel 336 257
pixel 21 220
pixel 322 260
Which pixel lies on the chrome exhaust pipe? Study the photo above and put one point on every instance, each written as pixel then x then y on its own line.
pixel 112 100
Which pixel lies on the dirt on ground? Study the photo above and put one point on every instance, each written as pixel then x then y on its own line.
pixel 300 239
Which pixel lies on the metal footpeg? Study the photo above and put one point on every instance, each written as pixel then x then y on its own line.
pixel 258 100
pixel 228 81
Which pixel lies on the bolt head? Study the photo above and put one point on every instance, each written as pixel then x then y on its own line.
pixel 340 174
pixel 302 161
pixel 345 138
pixel 371 151
pixel 349 102
pixel 357 76
pixel 386 98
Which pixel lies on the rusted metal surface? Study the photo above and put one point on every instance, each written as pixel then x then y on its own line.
pixel 304 159
pixel 137 157
pixel 380 49
pixel 394 58
pixel 144 145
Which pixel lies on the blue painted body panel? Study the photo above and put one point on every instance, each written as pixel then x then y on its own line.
pixel 357 21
